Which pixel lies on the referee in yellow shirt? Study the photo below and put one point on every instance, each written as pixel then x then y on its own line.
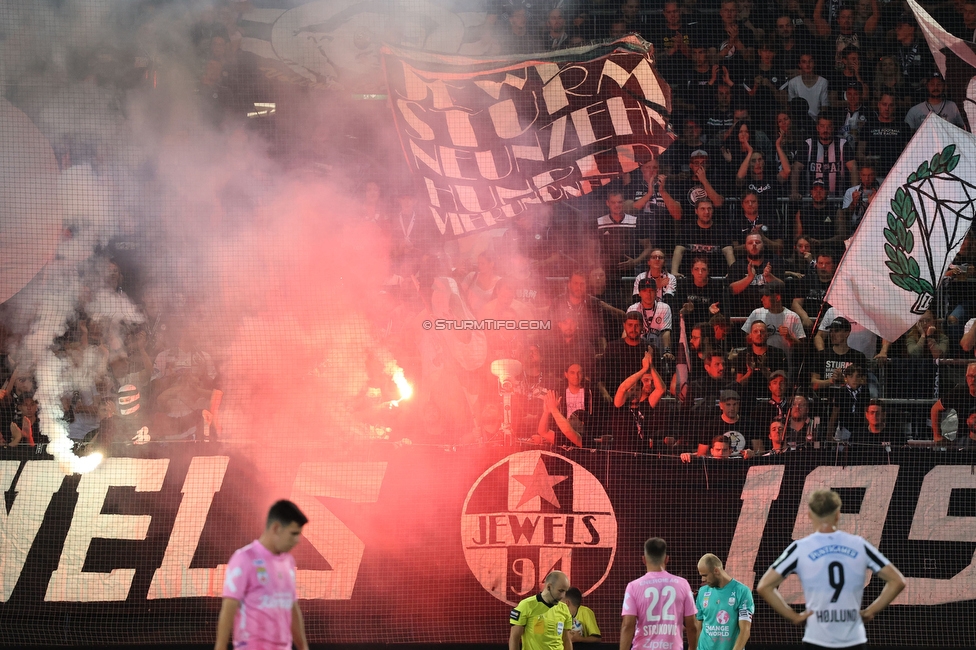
pixel 543 621
pixel 585 629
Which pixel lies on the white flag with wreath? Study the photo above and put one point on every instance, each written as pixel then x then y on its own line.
pixel 910 233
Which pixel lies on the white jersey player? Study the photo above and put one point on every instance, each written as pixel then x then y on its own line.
pixel 831 565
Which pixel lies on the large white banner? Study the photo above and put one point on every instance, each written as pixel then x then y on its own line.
pixel 910 233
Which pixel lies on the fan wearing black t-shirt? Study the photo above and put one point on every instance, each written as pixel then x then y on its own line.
pixel 829 372
pixel 699 296
pixel 847 405
pixel 884 136
pixel 756 364
pixel 820 222
pixel 703 238
pixel 748 275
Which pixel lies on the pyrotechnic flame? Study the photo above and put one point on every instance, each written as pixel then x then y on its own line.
pixel 396 373
pixel 61 448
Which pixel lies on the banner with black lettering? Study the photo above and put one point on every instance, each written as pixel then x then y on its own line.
pixel 491 136
pixel 414 544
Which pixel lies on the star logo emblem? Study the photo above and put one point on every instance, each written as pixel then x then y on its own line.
pixel 539 484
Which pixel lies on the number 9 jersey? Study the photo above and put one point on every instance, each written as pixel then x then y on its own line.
pixel 831 567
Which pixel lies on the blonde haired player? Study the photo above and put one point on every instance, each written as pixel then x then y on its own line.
pixel 831 565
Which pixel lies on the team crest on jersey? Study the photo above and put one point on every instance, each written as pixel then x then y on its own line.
pixel 732 601
pixel 262 575
pixel 534 512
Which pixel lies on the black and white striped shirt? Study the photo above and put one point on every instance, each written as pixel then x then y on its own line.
pixel 831 567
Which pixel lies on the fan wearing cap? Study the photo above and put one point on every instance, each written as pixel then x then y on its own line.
pixel 623 356
pixel 936 103
pixel 784 321
pixel 861 339
pixel 727 423
pixel 829 368
pixel 690 192
pixel 856 114
pixel 656 327
pixel 777 402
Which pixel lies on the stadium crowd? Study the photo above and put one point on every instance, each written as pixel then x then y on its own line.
pixel 729 240
pixel 790 115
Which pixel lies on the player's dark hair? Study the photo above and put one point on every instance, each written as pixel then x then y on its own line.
pixel 285 512
pixel 574 595
pixel 656 549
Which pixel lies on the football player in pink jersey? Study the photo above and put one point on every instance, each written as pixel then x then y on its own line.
pixel 658 606
pixel 260 603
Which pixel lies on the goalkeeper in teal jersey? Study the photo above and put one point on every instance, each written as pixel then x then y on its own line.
pixel 725 608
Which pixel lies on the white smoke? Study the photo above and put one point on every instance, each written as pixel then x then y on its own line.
pixel 256 265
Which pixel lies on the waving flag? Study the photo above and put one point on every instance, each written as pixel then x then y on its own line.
pixel 910 233
pixel 938 39
pixel 491 136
